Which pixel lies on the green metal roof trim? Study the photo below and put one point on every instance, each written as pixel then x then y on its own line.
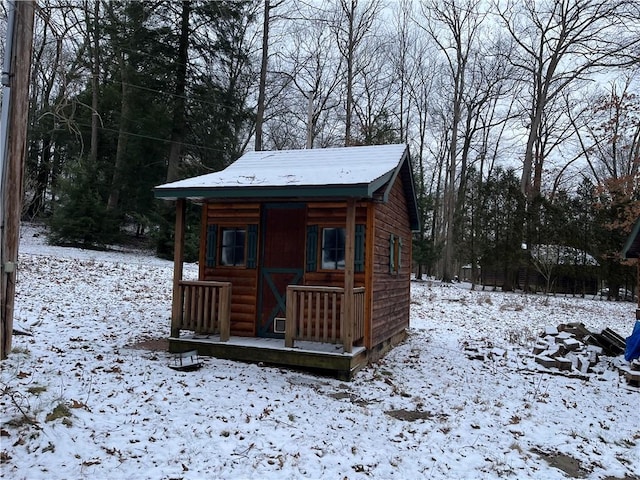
pixel 346 172
pixel 632 245
pixel 204 193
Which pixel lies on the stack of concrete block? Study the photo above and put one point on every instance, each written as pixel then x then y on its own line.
pixel 564 350
pixel 633 374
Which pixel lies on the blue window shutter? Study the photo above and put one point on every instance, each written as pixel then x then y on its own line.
pixel 392 256
pixel 312 248
pixel 399 253
pixel 359 249
pixel 212 233
pixel 252 246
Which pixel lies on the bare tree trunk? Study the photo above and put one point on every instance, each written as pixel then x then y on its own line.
pixel 453 26
pixel 349 36
pixel 179 122
pixel 38 147
pixel 125 114
pixel 349 58
pixel 263 76
pixel 95 84
pixel 548 32
pixel 310 122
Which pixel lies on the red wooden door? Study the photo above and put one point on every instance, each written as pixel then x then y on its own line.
pixel 282 261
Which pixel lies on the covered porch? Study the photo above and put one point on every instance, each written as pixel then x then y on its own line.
pixel 320 327
pixel 316 335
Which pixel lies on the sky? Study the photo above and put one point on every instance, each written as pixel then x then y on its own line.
pixel 89 393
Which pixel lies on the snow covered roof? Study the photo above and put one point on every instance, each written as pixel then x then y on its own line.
pixel 345 172
pixel 297 168
pixel 562 255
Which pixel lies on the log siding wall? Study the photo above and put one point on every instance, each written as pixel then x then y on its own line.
pixel 245 286
pixel 244 291
pixel 387 295
pixel 332 214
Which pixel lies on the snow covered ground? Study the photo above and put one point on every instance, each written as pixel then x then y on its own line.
pixel 90 394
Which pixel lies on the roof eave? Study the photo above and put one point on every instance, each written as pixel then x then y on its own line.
pixel 288 191
pixel 404 169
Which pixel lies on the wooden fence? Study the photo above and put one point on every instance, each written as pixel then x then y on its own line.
pixel 316 314
pixel 205 307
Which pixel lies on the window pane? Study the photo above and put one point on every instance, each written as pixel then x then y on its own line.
pixel 239 241
pixel 238 248
pixel 228 237
pixel 333 248
pixel 339 255
pixel 232 247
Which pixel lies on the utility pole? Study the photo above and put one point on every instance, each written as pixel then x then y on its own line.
pixel 16 70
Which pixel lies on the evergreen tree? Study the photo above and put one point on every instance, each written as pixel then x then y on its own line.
pixel 502 222
pixel 426 252
pixel 81 217
pixel 137 114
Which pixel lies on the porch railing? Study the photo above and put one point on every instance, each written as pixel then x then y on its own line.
pixel 316 314
pixel 205 308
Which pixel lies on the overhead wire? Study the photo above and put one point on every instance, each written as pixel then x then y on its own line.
pixel 150 137
pixel 184 97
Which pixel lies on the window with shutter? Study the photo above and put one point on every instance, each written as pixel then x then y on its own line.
pixel 395 254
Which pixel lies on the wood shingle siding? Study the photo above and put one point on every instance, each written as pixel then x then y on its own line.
pixel 391 291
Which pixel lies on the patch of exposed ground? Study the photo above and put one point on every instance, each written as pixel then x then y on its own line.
pixel 409 415
pixel 152 344
pixel 566 463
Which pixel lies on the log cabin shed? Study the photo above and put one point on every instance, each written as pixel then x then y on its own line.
pixel 304 260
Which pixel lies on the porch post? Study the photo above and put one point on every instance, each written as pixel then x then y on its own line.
pixel 349 260
pixel 178 260
pixel 224 314
pixel 289 326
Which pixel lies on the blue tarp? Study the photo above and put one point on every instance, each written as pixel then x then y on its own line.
pixel 633 344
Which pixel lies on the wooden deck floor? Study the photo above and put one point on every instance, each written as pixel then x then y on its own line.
pixel 323 358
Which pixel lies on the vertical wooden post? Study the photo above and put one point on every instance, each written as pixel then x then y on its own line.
pixel 290 318
pixel 15 80
pixel 224 313
pixel 349 261
pixel 369 270
pixel 178 261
